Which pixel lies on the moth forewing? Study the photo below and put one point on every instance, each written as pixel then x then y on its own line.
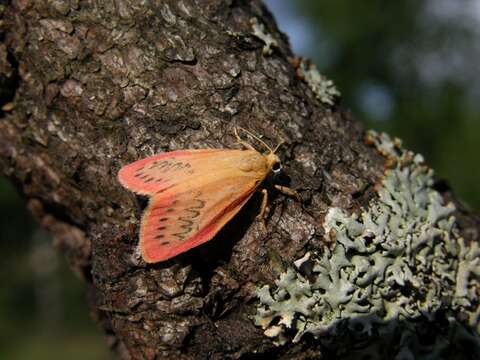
pixel 175 223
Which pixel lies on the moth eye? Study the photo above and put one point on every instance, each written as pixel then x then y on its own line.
pixel 276 168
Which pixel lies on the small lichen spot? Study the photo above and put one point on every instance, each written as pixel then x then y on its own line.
pixel 268 39
pixel 323 88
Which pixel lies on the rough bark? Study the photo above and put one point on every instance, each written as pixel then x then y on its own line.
pixel 93 85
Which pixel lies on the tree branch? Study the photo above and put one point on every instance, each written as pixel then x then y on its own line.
pixel 101 84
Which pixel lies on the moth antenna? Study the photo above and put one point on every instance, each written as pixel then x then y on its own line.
pixel 278 146
pixel 257 138
pixel 240 141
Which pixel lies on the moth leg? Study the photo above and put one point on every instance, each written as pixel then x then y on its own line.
pixel 288 191
pixel 240 141
pixel 263 206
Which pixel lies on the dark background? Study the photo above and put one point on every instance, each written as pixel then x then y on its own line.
pixel 407 67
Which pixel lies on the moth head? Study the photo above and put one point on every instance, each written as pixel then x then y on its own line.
pixel 274 162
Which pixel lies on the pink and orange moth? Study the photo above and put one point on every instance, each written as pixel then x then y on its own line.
pixel 194 193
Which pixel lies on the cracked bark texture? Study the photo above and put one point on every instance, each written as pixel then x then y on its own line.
pixel 90 86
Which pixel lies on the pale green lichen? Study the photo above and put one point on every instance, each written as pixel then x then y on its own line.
pixel 268 39
pixel 401 259
pixel 323 88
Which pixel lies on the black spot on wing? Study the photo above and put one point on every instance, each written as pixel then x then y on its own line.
pixel 164 189
pixel 186 222
pixel 168 165
pixel 189 216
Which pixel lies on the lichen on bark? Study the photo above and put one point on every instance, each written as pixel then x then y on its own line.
pixel 399 264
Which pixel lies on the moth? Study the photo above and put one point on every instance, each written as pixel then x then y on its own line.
pixel 194 193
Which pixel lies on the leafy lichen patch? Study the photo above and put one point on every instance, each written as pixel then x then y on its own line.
pixel 323 88
pixel 268 39
pixel 400 260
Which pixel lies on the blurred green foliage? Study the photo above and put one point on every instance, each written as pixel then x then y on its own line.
pixel 43 308
pixel 407 67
